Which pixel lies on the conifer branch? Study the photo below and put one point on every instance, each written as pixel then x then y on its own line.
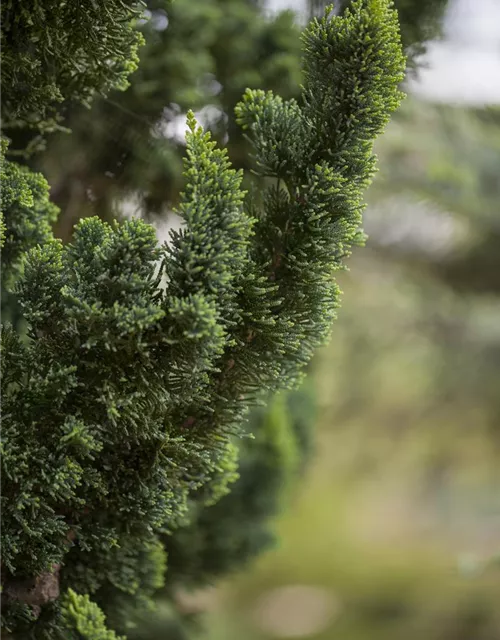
pixel 121 406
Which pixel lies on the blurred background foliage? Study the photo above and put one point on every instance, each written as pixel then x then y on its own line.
pixel 393 529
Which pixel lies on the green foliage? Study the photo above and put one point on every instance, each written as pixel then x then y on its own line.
pixel 320 155
pixel 78 305
pixel 121 408
pixel 121 150
pixel 222 538
pixel 122 579
pixel 420 21
pixel 26 214
pixel 56 52
pixel 209 53
pixel 83 620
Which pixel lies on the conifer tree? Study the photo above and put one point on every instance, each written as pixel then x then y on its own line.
pixel 123 403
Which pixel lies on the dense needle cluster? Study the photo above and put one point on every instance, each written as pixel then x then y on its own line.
pixel 59 51
pixel 123 403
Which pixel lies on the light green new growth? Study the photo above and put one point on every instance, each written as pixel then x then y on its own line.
pixel 83 620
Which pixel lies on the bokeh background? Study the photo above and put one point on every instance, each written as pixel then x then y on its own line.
pixel 393 530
